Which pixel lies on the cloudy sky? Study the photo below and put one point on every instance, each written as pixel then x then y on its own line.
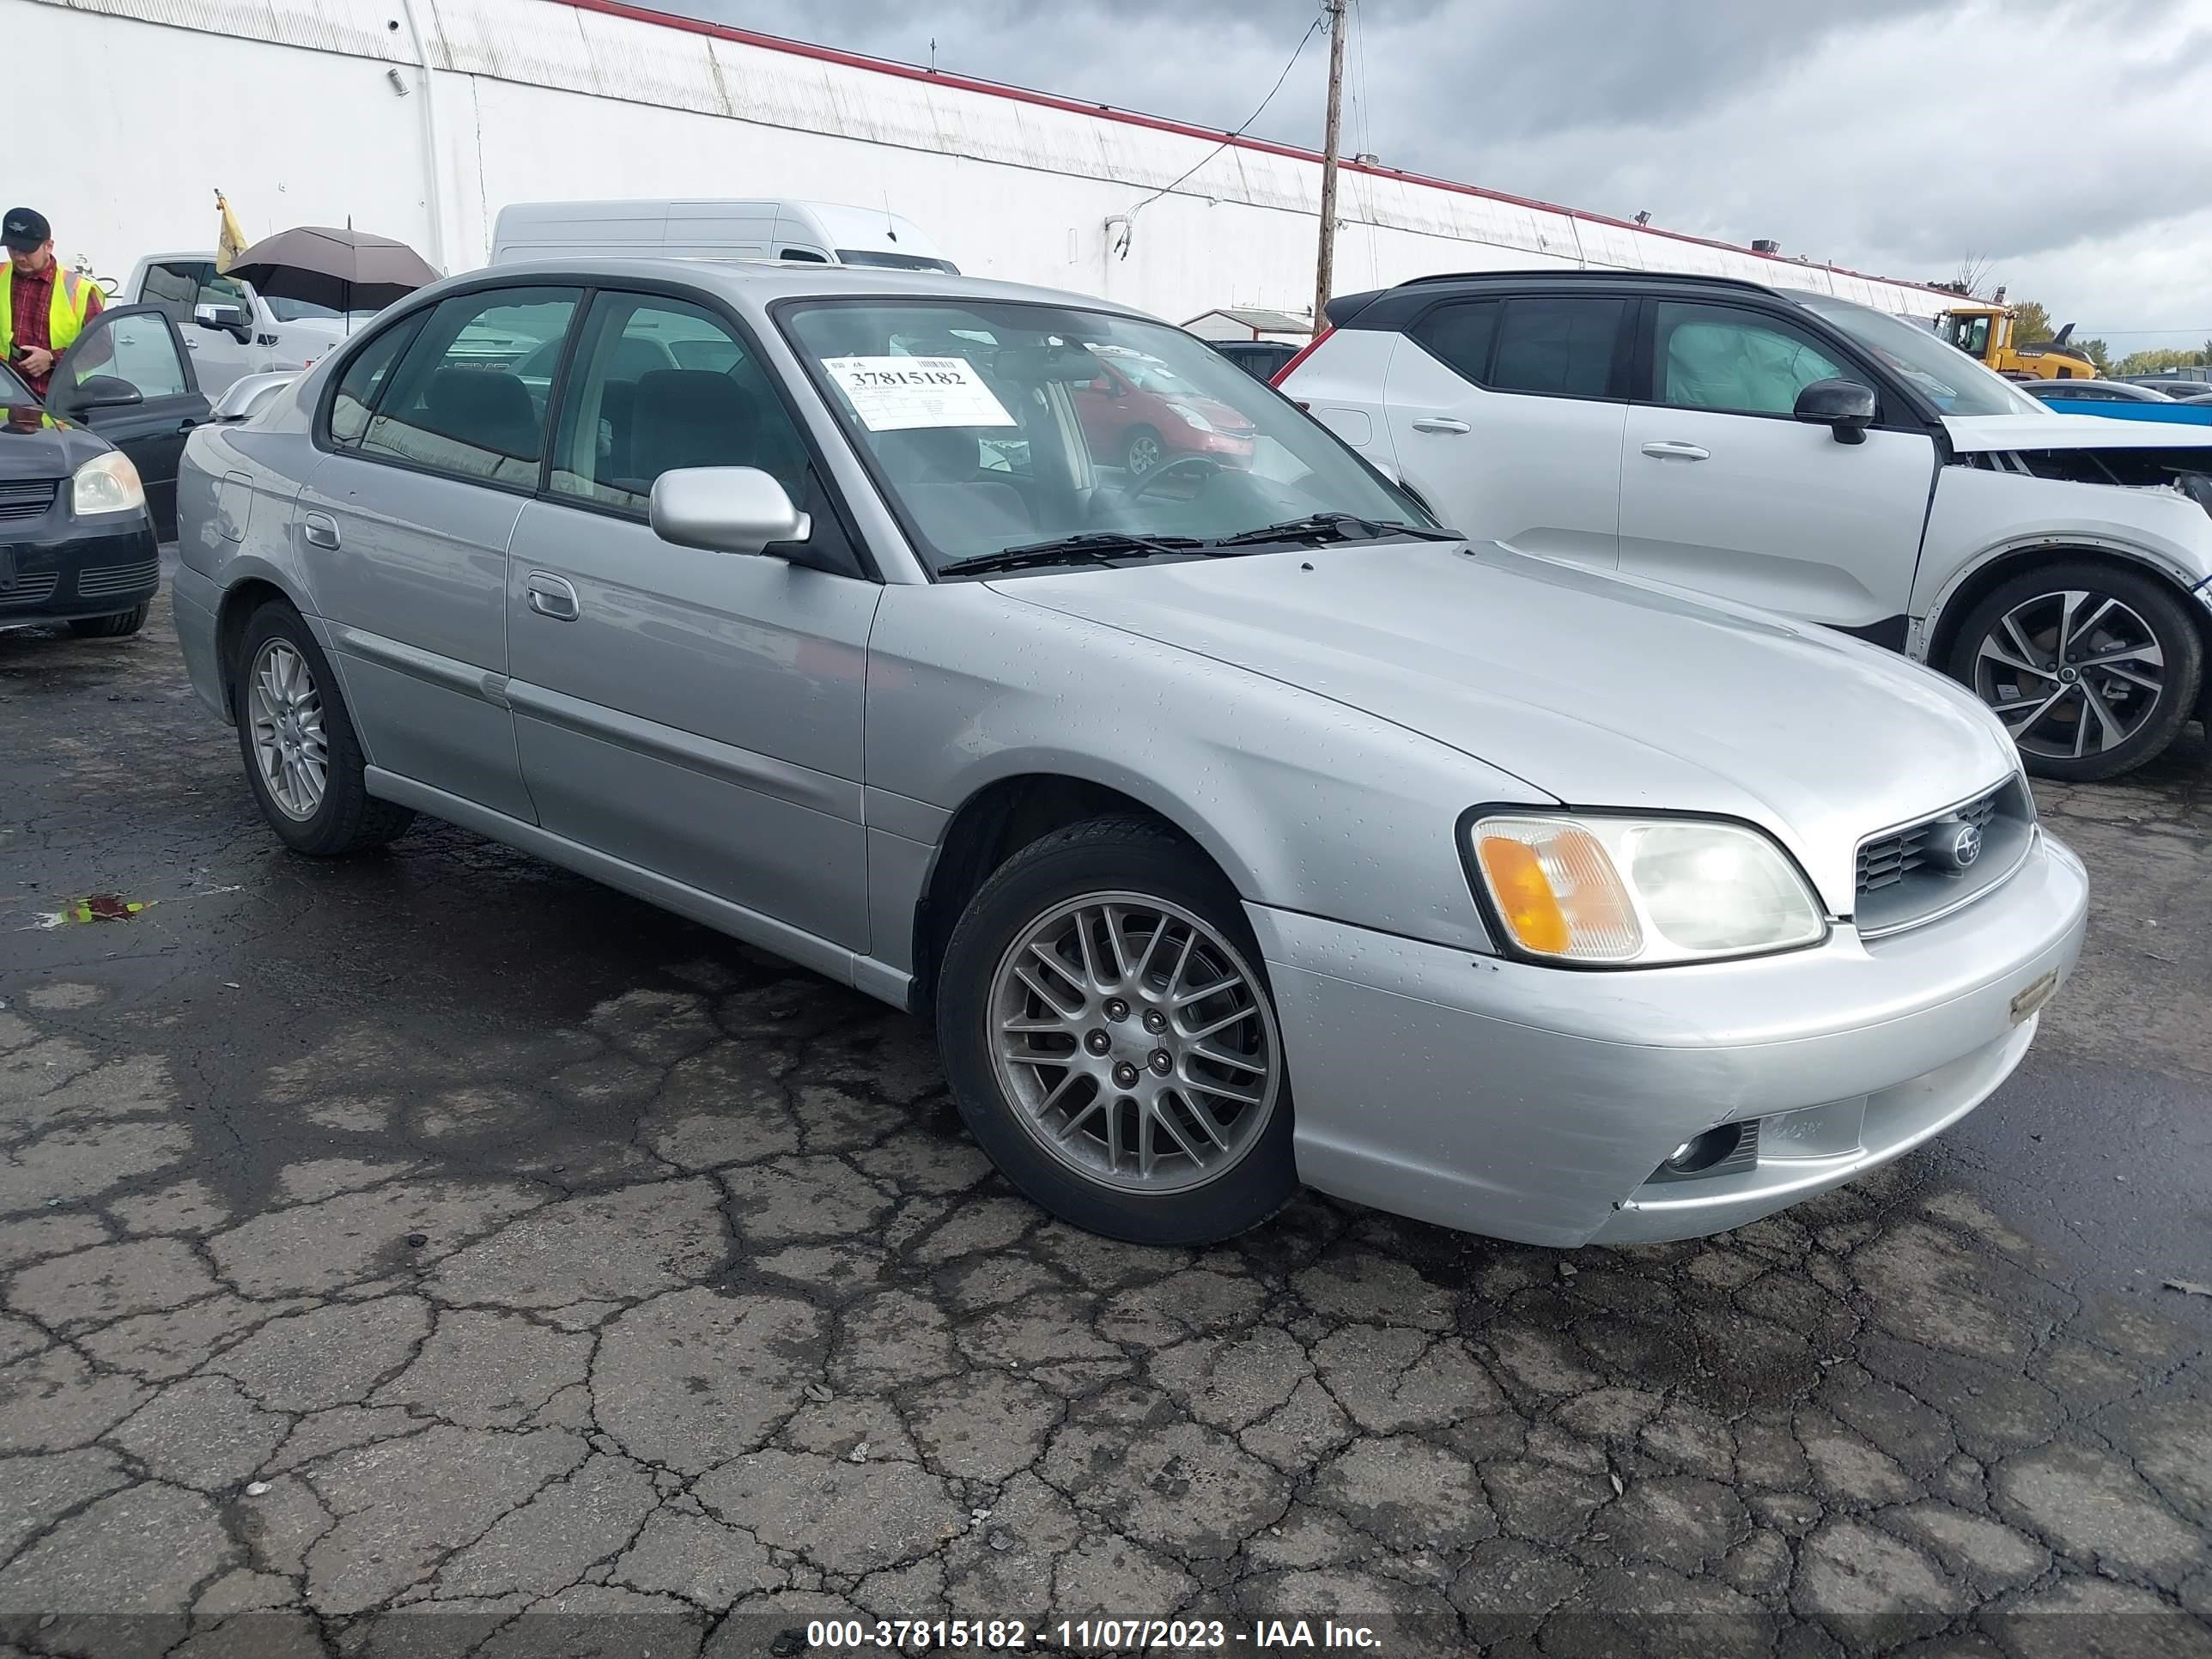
pixel 2065 144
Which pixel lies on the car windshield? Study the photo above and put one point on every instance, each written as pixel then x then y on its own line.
pixel 13 393
pixel 995 426
pixel 1950 379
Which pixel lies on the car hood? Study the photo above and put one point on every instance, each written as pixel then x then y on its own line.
pixel 36 445
pixel 1595 690
pixel 1973 433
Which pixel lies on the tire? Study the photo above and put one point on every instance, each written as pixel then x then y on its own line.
pixel 344 818
pixel 114 627
pixel 2074 725
pixel 1081 1160
pixel 1142 451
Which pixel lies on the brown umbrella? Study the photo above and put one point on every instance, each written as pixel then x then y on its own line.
pixel 341 270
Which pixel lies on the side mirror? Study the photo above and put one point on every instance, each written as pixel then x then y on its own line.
pixel 99 392
pixel 224 319
pixel 1845 407
pixel 725 509
pixel 250 394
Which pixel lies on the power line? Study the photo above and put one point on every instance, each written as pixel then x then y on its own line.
pixel 1311 29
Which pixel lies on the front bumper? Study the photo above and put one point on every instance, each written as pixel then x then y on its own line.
pixel 65 568
pixel 1538 1104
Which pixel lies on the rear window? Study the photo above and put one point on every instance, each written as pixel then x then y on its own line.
pixel 864 256
pixel 1565 347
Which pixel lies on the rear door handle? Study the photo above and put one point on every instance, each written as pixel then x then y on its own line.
pixel 1668 449
pixel 549 596
pixel 319 529
pixel 1440 423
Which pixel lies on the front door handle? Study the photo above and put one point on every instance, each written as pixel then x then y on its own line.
pixel 1668 449
pixel 320 530
pixel 1440 423
pixel 549 596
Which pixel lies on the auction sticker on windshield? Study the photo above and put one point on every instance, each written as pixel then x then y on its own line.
pixel 898 394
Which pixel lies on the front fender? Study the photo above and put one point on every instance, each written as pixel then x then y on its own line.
pixel 1980 517
pixel 1305 805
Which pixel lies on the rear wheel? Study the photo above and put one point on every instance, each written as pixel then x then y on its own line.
pixel 301 755
pixel 112 627
pixel 2094 670
pixel 1111 1040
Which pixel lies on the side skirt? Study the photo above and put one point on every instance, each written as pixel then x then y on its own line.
pixel 863 974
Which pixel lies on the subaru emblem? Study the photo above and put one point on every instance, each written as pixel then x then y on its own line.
pixel 1956 844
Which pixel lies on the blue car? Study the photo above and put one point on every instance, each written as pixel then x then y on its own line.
pixel 2118 399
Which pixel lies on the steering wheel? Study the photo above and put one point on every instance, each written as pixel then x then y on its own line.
pixel 1144 481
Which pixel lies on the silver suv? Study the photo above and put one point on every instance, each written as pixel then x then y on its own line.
pixel 819 605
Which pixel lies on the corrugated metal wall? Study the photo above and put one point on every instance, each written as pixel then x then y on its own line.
pixel 296 112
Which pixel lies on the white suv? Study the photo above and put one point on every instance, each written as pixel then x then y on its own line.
pixel 1809 456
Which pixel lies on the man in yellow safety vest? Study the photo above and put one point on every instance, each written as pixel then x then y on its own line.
pixel 42 306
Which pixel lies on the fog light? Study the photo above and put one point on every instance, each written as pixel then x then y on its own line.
pixel 1705 1151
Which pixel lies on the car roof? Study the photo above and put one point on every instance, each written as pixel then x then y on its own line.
pixel 755 284
pixel 1395 307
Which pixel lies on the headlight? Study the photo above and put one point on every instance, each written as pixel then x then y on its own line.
pixel 1191 417
pixel 106 483
pixel 1621 891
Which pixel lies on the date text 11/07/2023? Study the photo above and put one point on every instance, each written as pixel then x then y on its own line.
pixel 1086 1635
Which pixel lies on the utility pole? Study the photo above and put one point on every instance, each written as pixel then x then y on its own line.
pixel 1324 264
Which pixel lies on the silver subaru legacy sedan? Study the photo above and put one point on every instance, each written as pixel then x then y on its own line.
pixel 1013 657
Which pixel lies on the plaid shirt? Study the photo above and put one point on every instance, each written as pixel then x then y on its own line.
pixel 32 308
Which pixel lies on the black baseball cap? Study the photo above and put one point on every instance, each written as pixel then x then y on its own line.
pixel 24 229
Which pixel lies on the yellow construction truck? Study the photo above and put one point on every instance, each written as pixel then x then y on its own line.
pixel 1985 332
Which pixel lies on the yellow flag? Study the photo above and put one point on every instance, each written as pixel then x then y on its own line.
pixel 230 239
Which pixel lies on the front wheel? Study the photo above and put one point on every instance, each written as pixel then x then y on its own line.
pixel 1111 1040
pixel 1142 452
pixel 2094 670
pixel 112 627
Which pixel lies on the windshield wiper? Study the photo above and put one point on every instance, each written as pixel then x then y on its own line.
pixel 1334 527
pixel 1094 546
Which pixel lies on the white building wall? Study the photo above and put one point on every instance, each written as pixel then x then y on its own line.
pixel 293 108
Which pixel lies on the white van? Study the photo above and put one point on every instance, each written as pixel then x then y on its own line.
pixel 817 232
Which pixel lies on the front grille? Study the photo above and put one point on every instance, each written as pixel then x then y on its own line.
pixel 28 498
pixel 1901 881
pixel 30 589
pixel 117 579
pixel 1891 859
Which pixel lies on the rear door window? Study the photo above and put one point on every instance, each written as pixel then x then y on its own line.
pixel 1565 346
pixel 1461 335
pixel 460 402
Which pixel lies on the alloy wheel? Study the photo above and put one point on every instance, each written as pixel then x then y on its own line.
pixel 1143 452
pixel 1134 1042
pixel 2071 673
pixel 285 708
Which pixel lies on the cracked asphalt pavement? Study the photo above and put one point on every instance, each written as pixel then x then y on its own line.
pixel 439 1253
